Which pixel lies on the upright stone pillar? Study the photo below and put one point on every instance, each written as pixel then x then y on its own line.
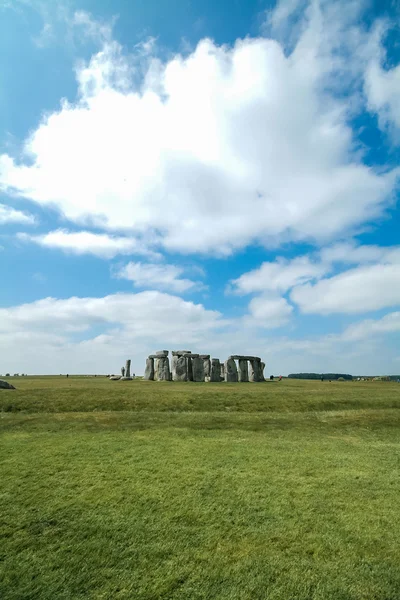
pixel 255 369
pixel 161 369
pixel 243 370
pixel 127 376
pixel 198 368
pixel 206 364
pixel 179 367
pixel 222 372
pixel 149 370
pixel 215 370
pixel 231 374
pixel 189 357
pixel 262 367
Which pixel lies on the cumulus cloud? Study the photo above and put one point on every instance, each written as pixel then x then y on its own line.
pixel 382 85
pixel 214 150
pixel 269 312
pixel 158 276
pixel 358 290
pixel 279 276
pixel 10 215
pixel 85 242
pixel 96 334
pixel 390 323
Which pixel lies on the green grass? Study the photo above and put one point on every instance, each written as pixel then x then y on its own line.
pixel 143 490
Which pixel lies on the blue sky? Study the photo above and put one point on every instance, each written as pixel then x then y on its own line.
pixel 220 176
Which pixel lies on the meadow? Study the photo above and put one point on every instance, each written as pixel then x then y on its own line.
pixel 143 490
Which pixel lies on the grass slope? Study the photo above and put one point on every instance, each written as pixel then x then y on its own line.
pixel 151 491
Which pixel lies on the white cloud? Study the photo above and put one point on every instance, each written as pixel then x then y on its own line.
pixel 85 242
pixel 269 312
pixel 382 85
pixel 279 276
pixel 158 276
pixel 10 215
pixel 126 325
pixel 358 290
pixel 390 323
pixel 215 150
pixel 350 253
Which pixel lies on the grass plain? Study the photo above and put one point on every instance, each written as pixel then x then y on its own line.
pixel 142 490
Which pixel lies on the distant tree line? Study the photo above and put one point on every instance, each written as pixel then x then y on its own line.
pixel 319 375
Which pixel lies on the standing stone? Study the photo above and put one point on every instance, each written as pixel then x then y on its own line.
pixel 222 372
pixel 243 370
pixel 262 367
pixel 149 370
pixel 179 368
pixel 206 364
pixel 198 369
pixel 189 367
pixel 127 376
pixel 255 370
pixel 231 374
pixel 215 370
pixel 161 369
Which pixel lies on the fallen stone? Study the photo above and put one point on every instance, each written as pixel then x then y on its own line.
pixel 115 377
pixel 4 385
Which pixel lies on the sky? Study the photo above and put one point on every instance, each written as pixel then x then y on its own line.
pixel 219 176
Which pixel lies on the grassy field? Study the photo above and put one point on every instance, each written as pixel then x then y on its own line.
pixel 140 490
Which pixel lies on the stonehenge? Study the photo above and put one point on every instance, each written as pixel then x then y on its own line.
pixel 187 366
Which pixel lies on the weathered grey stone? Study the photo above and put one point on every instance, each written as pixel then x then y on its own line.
pixel 149 370
pixel 215 370
pixel 4 385
pixel 189 366
pixel 222 372
pixel 231 374
pixel 154 356
pixel 179 368
pixel 162 353
pixel 198 368
pixel 127 376
pixel 207 366
pixel 255 370
pixel 204 356
pixel 262 367
pixel 115 377
pixel 190 355
pixel 243 370
pixel 182 352
pixel 161 369
pixel 123 371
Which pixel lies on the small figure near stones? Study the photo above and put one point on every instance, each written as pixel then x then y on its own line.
pixel 123 371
